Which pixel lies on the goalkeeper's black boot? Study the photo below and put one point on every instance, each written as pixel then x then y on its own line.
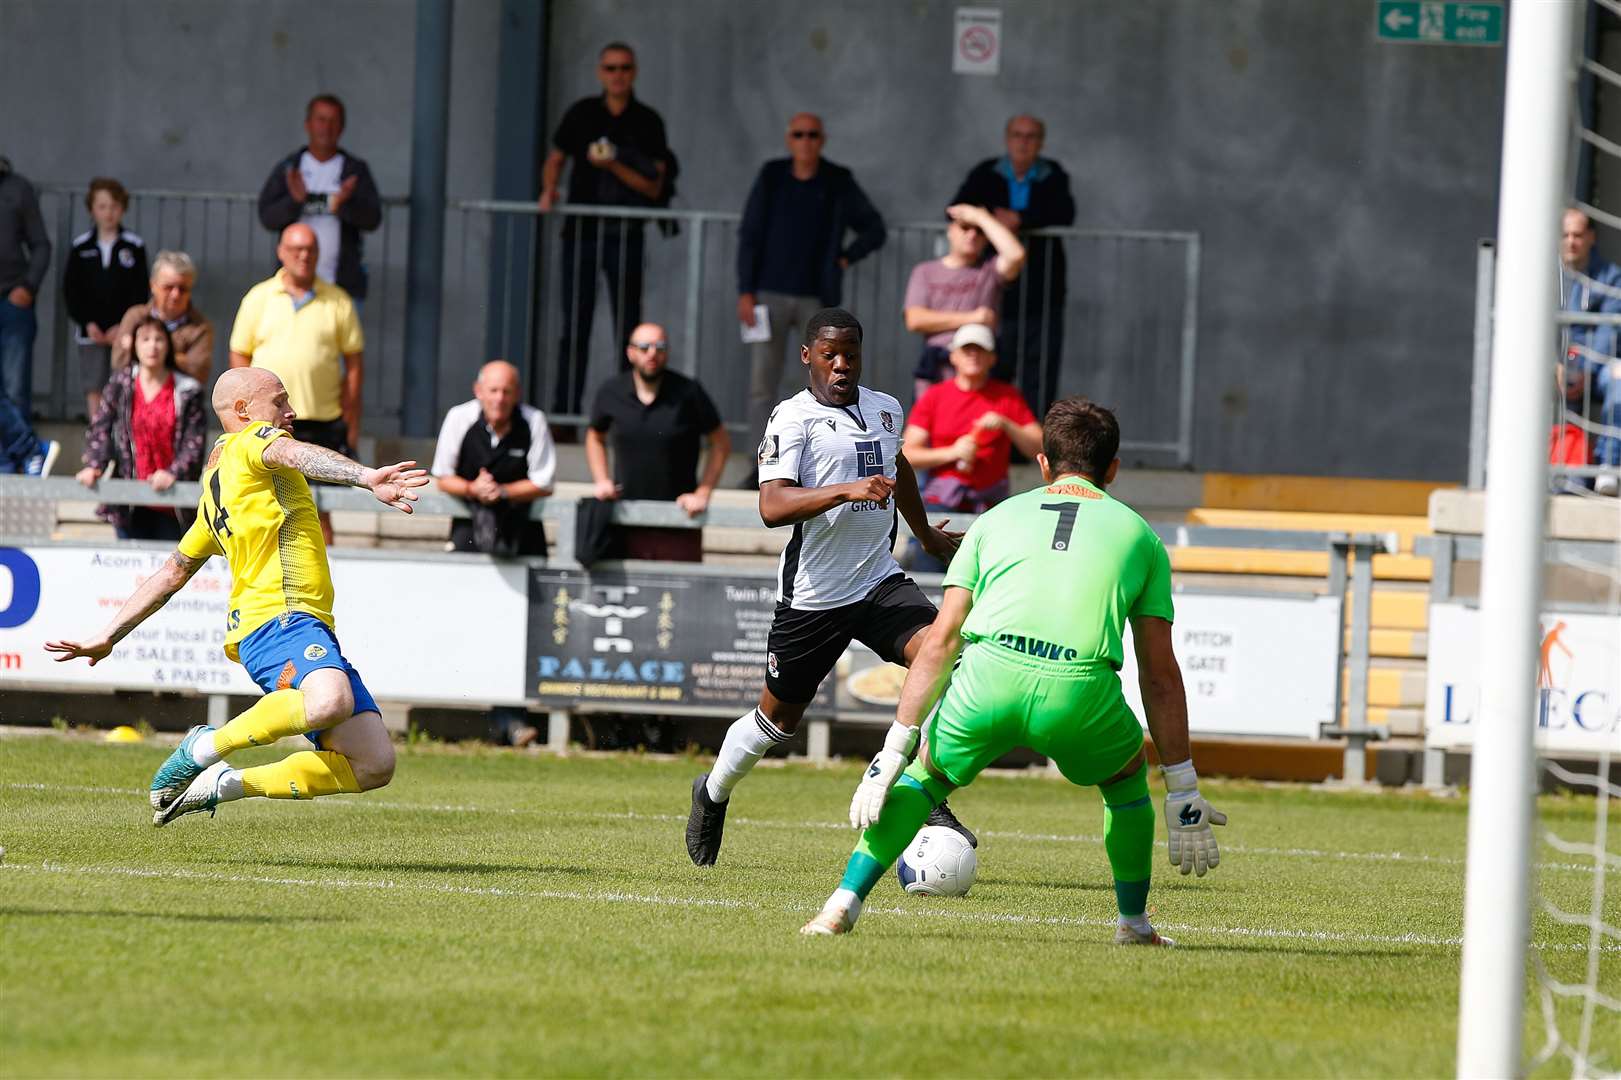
pixel 942 816
pixel 705 824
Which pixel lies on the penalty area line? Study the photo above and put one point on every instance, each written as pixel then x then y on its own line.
pixel 366 803
pixel 619 897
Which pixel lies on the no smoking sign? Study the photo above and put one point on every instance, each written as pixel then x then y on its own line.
pixel 977 48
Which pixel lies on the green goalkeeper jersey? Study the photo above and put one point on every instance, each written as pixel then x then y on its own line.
pixel 1056 572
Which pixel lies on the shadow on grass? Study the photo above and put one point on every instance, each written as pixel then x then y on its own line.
pixel 179 916
pixel 416 867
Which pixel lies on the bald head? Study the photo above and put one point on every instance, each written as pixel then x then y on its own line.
pixel 498 392
pixel 648 351
pixel 248 395
pixel 499 371
pixel 805 138
pixel 298 251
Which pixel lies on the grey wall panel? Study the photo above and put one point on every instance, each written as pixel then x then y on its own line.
pixel 1339 183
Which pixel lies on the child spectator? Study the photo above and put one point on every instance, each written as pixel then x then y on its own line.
pixel 105 274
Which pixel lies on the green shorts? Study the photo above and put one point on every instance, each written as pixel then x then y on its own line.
pixel 1000 700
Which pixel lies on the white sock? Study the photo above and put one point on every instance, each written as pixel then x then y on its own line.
pixel 228 788
pixel 1138 923
pixel 847 901
pixel 747 740
pixel 202 749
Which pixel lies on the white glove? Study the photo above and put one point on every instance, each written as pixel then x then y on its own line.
pixel 881 775
pixel 1188 818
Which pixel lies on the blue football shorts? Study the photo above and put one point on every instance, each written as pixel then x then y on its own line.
pixel 280 653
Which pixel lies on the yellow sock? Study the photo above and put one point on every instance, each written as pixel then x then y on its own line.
pixel 304 775
pixel 272 717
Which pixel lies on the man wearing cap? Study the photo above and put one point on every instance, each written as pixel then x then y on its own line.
pixel 962 429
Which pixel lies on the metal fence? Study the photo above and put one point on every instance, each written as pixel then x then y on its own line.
pixel 512 279
pixel 1130 309
pixel 220 230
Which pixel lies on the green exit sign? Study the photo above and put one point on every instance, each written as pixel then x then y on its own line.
pixel 1440 22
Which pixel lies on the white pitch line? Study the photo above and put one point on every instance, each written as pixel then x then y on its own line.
pixel 618 897
pixel 799 826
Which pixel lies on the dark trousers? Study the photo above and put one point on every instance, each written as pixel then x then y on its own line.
pixel 615 248
pixel 151 523
pixel 1030 337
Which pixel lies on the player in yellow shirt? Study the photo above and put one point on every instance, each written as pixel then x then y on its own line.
pixel 256 510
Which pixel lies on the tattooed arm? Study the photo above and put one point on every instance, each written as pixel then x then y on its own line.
pixel 152 594
pixel 392 484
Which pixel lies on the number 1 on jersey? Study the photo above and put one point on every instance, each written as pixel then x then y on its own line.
pixel 1066 523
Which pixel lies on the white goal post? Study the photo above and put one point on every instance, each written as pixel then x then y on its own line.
pixel 1536 134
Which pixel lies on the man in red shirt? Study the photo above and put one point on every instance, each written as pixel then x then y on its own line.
pixel 963 429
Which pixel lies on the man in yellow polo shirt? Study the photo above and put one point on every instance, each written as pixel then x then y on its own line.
pixel 306 332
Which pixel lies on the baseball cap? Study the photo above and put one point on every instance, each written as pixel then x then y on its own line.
pixel 974 334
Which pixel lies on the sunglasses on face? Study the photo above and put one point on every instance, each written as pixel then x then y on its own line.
pixel 806 134
pixel 651 346
pixel 614 69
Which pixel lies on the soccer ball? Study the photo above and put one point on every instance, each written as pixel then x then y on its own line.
pixel 938 862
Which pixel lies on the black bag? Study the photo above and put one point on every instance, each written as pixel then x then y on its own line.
pixel 596 537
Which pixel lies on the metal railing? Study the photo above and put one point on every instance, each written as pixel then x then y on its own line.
pixel 516 283
pixel 1127 332
pixel 220 230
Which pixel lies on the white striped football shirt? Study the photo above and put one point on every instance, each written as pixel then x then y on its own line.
pixel 837 557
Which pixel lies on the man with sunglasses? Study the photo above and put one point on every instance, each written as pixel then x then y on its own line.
pixel 791 254
pixel 620 158
pixel 1027 191
pixel 656 419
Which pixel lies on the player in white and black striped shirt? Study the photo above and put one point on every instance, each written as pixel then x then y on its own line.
pixel 830 466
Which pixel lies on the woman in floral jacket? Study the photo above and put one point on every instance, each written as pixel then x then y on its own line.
pixel 150 426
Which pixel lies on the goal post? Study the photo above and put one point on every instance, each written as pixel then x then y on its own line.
pixel 1536 134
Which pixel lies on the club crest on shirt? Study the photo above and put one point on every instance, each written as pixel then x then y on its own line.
pixel 887 420
pixel 770 450
pixel 126 258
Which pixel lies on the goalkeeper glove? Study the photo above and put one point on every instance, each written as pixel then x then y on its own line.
pixel 881 775
pixel 1188 818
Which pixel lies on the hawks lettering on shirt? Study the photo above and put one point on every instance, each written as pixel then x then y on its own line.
pixel 837 557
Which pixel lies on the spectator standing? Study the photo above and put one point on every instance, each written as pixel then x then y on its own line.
pixel 104 275
pixel 150 426
pixel 619 157
pixel 496 454
pixel 174 280
pixel 1027 191
pixel 306 332
pixel 656 419
pixel 963 430
pixel 25 253
pixel 327 188
pixel 962 288
pixel 1589 282
pixel 791 254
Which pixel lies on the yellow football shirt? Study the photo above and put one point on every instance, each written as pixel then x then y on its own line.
pixel 262 519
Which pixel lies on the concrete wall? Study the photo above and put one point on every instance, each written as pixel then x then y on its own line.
pixel 1339 183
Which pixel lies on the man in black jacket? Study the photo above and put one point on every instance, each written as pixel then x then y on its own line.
pixel 331 191
pixel 1027 191
pixel 791 254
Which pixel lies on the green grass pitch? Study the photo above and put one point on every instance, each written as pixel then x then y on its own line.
pixel 501 914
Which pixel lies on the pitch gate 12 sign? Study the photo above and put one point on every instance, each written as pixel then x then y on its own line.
pixel 648 640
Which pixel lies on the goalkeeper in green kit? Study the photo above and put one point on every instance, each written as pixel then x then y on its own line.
pixel 1036 601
